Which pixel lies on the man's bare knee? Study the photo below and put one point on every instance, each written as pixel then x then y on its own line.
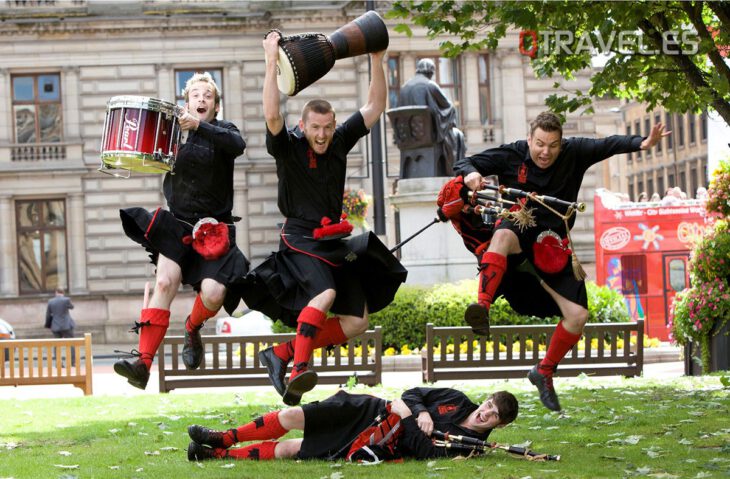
pixel 288 448
pixel 291 418
pixel 212 293
pixel 324 300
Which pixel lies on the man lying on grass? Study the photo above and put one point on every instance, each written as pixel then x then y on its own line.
pixel 360 427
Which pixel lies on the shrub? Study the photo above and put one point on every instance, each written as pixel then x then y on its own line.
pixel 711 255
pixel 718 194
pixel 404 320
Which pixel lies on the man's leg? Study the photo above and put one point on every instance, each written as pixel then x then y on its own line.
pixel 310 321
pixel 153 323
pixel 567 334
pixel 270 426
pixel 207 304
pixel 492 267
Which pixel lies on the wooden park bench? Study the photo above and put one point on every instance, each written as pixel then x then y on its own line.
pixel 47 361
pixel 472 358
pixel 234 361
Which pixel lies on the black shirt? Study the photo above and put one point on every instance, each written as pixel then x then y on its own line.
pixel 311 185
pixel 447 408
pixel 515 168
pixel 201 183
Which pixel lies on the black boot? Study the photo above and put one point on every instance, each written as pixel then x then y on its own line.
pixel 192 352
pixel 209 437
pixel 136 372
pixel 198 452
pixel 545 387
pixel 302 382
pixel 477 316
pixel 276 368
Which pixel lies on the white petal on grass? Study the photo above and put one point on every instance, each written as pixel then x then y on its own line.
pixel 64 453
pixel 168 448
pixel 66 466
pixel 152 453
pixel 229 465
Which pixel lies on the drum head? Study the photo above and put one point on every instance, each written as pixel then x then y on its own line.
pixel 139 162
pixel 285 76
pixel 141 102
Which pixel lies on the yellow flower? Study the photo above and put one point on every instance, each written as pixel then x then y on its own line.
pixel 389 352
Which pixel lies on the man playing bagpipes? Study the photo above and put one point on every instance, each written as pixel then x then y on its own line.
pixel 360 427
pixel 535 232
pixel 194 241
pixel 315 271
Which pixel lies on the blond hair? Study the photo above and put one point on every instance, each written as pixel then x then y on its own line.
pixel 204 77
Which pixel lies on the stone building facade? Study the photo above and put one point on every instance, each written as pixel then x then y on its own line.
pixel 61 62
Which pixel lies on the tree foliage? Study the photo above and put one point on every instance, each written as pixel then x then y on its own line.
pixel 674 60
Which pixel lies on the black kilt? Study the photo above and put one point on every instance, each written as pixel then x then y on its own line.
pixel 161 233
pixel 523 291
pixel 361 270
pixel 330 425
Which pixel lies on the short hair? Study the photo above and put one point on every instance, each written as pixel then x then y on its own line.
pixel 547 121
pixel 59 290
pixel 507 406
pixel 318 106
pixel 204 77
pixel 426 66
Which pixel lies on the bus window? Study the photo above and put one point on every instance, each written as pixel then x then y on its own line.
pixel 633 274
pixel 677 274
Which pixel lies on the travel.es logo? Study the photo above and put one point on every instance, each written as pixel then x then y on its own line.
pixel 673 42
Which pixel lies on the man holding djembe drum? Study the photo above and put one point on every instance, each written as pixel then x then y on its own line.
pixel 315 271
pixel 194 242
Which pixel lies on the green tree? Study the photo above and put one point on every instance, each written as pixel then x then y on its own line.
pixel 675 59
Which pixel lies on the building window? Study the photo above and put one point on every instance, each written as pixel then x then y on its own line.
pixel 668 127
pixel 637 129
pixel 629 156
pixel 692 127
pixel 680 131
pixel 393 81
pixel 683 180
pixel 631 187
pixel 37 108
pixel 41 230
pixel 448 78
pixel 660 183
pixel 647 131
pixel 182 76
pixel 640 187
pixel 670 182
pixel 649 187
pixel 657 120
pixel 703 126
pixel 485 102
pixel 692 182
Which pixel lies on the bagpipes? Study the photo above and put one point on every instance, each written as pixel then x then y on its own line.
pixel 551 252
pixel 471 445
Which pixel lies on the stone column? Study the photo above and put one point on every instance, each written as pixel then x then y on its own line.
pixel 472 126
pixel 6 110
pixel 71 104
pixel 8 249
pixel 76 233
pixel 234 94
pixel 166 82
pixel 514 122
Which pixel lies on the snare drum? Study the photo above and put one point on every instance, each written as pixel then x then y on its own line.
pixel 140 134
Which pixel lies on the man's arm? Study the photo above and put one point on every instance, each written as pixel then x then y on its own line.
pixel 272 115
pixel 377 93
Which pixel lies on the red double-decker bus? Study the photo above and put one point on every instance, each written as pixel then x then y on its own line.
pixel 642 251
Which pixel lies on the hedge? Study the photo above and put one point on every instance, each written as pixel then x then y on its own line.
pixel 404 320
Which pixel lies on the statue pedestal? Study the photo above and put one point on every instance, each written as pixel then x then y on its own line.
pixel 437 255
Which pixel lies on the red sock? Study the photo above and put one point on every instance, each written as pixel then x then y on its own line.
pixel 561 342
pixel 310 321
pixel 155 322
pixel 263 427
pixel 198 315
pixel 492 268
pixel 262 451
pixel 330 334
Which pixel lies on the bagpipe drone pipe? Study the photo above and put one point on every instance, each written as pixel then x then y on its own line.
pixel 470 444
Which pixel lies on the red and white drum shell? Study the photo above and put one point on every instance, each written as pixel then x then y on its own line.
pixel 141 134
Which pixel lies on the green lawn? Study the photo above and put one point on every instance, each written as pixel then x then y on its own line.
pixel 610 427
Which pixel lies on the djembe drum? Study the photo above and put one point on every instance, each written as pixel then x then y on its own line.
pixel 307 57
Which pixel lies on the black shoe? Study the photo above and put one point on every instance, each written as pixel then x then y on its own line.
pixel 477 316
pixel 136 373
pixel 301 383
pixel 545 387
pixel 198 452
pixel 192 352
pixel 276 368
pixel 208 437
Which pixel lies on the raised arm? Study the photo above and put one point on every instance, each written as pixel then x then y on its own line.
pixel 378 91
pixel 272 115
